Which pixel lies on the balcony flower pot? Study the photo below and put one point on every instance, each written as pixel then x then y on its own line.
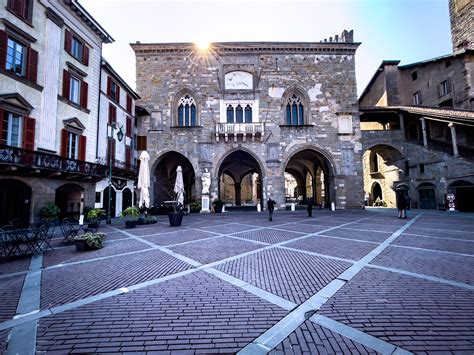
pixel 175 218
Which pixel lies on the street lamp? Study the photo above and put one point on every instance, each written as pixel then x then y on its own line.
pixel 111 127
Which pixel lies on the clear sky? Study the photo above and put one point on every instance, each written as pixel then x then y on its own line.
pixel 407 30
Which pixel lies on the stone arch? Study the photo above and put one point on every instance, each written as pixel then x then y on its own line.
pixel 15 201
pixel 70 200
pixel 299 92
pixel 186 90
pixel 233 150
pixel 376 193
pixel 320 165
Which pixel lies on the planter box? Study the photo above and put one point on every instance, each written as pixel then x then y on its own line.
pixel 130 224
pixel 175 218
pixel 81 245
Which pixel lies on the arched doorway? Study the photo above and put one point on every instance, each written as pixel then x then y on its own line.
pixel 112 204
pixel 464 192
pixel 165 177
pixel 15 201
pixel 242 170
pixel 69 199
pixel 377 194
pixel 126 198
pixel 426 196
pixel 314 176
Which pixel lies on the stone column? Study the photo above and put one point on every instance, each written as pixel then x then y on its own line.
pixel 402 123
pixel 454 139
pixel 423 129
pixel 238 190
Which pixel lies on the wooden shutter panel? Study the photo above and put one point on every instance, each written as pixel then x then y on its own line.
pixel 141 142
pixel 85 56
pixel 29 133
pixel 82 148
pixel 129 104
pixel 64 143
pixel 117 95
pixel 129 127
pixel 84 93
pixel 68 41
pixel 66 84
pixel 112 113
pixel 3 49
pixel 28 9
pixel 109 85
pixel 32 65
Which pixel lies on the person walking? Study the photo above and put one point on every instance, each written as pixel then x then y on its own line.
pixel 310 206
pixel 271 206
pixel 402 203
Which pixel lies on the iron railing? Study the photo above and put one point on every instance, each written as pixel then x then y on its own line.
pixel 117 164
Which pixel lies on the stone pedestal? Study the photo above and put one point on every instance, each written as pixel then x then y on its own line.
pixel 205 204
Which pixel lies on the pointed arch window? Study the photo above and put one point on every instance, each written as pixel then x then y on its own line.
pixel 294 111
pixel 248 114
pixel 187 113
pixel 239 114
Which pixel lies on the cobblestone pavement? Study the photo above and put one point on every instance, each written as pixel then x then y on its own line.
pixel 344 282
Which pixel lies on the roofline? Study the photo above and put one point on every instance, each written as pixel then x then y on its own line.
pixel 236 47
pixel 82 13
pixel 112 71
pixel 379 70
pixel 459 53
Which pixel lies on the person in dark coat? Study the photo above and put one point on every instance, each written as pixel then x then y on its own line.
pixel 310 206
pixel 403 200
pixel 271 207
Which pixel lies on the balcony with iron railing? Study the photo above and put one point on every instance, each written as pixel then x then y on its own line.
pixel 119 167
pixel 19 161
pixel 244 130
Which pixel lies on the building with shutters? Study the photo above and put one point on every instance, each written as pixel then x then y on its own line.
pixel 50 64
pixel 116 105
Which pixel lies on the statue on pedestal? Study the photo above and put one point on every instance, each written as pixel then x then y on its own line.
pixel 206 182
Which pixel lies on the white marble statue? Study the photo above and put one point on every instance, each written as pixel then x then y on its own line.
pixel 206 181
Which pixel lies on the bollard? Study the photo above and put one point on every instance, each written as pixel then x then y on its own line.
pixel 259 208
pixel 333 206
pixel 292 207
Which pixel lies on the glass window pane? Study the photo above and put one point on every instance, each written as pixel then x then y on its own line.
pixel 180 115
pixel 186 115
pixel 230 114
pixel 239 114
pixel 74 90
pixel 288 114
pixel 294 114
pixel 193 115
pixel 248 114
pixel 301 115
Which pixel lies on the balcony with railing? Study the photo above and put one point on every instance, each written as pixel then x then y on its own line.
pixel 18 161
pixel 119 167
pixel 244 130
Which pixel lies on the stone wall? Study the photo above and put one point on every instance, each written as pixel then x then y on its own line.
pixel 461 13
pixel 326 79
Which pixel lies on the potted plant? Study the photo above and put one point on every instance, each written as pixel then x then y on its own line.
pixel 49 213
pixel 93 217
pixel 147 220
pixel 218 205
pixel 176 217
pixel 195 206
pixel 89 241
pixel 128 214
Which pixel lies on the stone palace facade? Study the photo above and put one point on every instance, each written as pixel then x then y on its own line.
pixel 254 115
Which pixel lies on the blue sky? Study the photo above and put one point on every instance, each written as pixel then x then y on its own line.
pixel 408 30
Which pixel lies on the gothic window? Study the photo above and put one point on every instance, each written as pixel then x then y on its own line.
pixel 187 114
pixel 239 114
pixel 294 111
pixel 248 114
pixel 230 114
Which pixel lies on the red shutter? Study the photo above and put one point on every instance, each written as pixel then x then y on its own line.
pixel 66 84
pixel 3 49
pixel 68 41
pixel 29 133
pixel 85 55
pixel 129 104
pixel 112 113
pixel 129 127
pixel 84 92
pixel 64 143
pixel 109 85
pixel 82 148
pixel 32 65
pixel 28 10
pixel 117 95
pixel 141 142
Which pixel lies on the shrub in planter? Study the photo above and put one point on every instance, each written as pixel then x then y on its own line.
pixel 218 205
pixel 147 220
pixel 93 217
pixel 195 206
pixel 89 241
pixel 50 212
pixel 129 213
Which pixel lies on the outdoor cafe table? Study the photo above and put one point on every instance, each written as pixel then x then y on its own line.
pixel 21 242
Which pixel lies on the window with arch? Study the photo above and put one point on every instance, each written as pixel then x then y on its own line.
pixel 239 113
pixel 294 111
pixel 187 113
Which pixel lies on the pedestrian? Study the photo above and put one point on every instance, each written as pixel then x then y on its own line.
pixel 271 206
pixel 402 203
pixel 310 206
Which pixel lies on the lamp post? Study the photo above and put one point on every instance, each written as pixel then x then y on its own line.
pixel 111 127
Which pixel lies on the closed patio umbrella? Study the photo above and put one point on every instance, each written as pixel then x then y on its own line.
pixel 144 180
pixel 179 185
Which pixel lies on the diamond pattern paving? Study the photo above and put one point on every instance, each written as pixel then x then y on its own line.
pixel 289 274
pixel 310 339
pixel 357 234
pixel 10 290
pixel 415 314
pixel 452 267
pixel 73 282
pixel 195 312
pixel 178 237
pixel 270 236
pixel 341 248
pixel 208 251
pixel 451 245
